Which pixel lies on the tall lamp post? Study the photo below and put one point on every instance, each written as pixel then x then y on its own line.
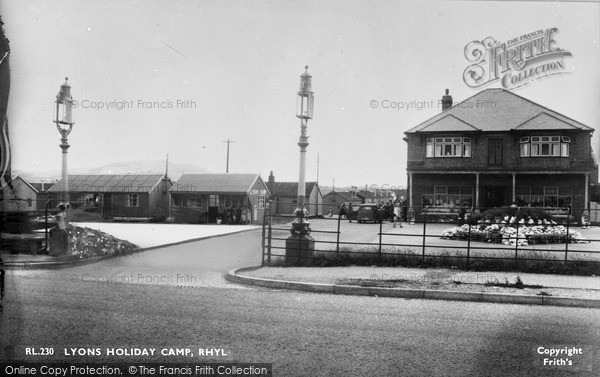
pixel 300 245
pixel 64 119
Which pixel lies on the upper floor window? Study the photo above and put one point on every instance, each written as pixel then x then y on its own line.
pixel 448 147
pixel 545 146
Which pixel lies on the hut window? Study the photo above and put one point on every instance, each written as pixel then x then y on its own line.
pixel 132 200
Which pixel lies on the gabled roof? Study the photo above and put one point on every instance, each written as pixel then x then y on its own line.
pixel 449 122
pixel 110 183
pixel 345 195
pixel 24 181
pixel 219 183
pixel 364 194
pixel 38 186
pixel 283 189
pixel 543 121
pixel 497 110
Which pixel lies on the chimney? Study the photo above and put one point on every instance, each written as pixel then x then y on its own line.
pixel 446 100
pixel 271 182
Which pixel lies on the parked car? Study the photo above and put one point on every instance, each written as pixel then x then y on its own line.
pixel 368 212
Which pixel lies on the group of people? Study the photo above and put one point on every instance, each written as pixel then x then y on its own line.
pixel 391 210
pixel 234 215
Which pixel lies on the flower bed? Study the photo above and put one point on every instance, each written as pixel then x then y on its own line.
pixel 513 234
pixel 88 242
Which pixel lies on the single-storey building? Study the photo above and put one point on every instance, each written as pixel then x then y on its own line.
pixel 284 196
pixel 334 199
pixel 214 198
pixel 22 196
pixel 118 197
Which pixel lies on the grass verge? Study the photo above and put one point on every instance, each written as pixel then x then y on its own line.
pixel 406 257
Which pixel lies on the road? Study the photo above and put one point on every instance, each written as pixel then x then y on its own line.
pixel 176 297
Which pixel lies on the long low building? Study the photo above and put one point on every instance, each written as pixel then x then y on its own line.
pixel 213 198
pixel 128 196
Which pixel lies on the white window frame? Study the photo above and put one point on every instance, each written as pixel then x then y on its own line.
pixel 544 146
pixel 132 200
pixel 448 146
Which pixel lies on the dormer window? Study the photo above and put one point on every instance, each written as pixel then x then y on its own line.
pixel 448 147
pixel 545 146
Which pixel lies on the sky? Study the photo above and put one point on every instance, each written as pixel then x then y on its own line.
pixel 181 77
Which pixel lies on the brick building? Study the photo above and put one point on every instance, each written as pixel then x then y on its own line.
pixel 497 148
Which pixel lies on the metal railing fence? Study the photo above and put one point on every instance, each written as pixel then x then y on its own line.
pixel 508 233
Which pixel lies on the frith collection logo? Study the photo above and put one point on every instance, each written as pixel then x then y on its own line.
pixel 514 63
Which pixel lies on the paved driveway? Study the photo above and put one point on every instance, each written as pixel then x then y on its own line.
pixel 302 334
pixel 409 239
pixel 150 235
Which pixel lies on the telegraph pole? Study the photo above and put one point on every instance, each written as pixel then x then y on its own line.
pixel 228 142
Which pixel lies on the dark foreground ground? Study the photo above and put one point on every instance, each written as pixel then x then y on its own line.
pixel 176 297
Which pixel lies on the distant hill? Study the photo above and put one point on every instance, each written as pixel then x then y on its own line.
pixel 147 167
pixel 130 167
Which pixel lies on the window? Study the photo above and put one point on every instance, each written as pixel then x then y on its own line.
pixel 213 200
pixel 544 196
pixel 495 152
pixel 448 147
pixel 261 201
pixel 447 196
pixel 545 146
pixel 525 147
pixel 194 202
pixel 132 200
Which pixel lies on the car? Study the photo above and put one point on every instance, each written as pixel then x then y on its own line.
pixel 368 212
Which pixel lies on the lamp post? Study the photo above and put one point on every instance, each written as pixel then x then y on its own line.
pixel 64 119
pixel 300 245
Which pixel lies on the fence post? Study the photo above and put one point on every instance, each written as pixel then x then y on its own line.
pixel 424 231
pixel 46 240
pixel 567 239
pixel 516 240
pixel 270 235
pixel 264 226
pixel 380 236
pixel 337 242
pixel 469 236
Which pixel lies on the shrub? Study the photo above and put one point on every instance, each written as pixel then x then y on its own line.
pixel 525 213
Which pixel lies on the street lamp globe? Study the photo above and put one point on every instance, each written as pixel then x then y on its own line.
pixel 64 119
pixel 305 100
pixel 63 112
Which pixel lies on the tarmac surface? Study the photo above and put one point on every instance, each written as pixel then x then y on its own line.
pixel 450 284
